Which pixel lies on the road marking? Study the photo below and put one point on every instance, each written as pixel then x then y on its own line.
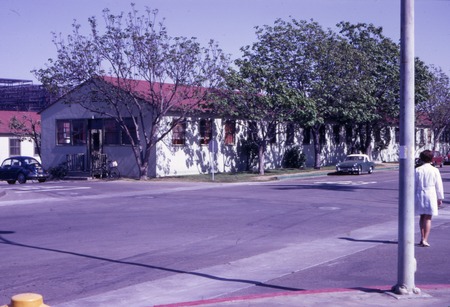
pixel 30 189
pixel 345 182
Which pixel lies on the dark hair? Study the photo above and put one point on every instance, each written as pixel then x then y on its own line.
pixel 426 156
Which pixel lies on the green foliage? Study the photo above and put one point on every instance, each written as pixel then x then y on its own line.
pixel 294 158
pixel 436 108
pixel 58 172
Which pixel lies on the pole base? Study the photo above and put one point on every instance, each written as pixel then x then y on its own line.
pixel 403 290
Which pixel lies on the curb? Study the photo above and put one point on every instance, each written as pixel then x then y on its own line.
pixel 257 296
pixel 383 290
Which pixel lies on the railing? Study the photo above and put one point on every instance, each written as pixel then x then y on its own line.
pixel 76 162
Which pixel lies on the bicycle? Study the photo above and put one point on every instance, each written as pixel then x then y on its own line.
pixel 110 170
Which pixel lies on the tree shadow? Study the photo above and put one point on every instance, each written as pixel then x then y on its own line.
pixel 147 266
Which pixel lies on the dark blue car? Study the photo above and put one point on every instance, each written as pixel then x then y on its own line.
pixel 21 169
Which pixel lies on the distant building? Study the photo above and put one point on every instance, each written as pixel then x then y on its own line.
pixel 13 143
pixel 23 95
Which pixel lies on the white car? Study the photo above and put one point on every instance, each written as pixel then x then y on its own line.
pixel 356 164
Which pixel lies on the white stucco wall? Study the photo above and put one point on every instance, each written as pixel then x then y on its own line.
pixel 26 147
pixel 192 158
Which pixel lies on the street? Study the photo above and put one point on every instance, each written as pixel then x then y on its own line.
pixel 147 243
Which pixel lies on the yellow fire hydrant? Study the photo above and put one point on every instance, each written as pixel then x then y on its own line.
pixel 27 300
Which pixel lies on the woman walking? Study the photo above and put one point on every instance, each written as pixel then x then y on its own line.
pixel 429 193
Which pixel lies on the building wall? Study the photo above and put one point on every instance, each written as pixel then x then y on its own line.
pixel 26 147
pixel 193 158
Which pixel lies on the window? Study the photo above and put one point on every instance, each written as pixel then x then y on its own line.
pixel 79 132
pixel 179 133
pixel 322 135
pixel 421 137
pixel 63 132
pixel 337 134
pixel 230 132
pixel 205 131
pixel 307 136
pixel 115 135
pixel 348 134
pixel 132 129
pixel 272 133
pixel 14 147
pixel 112 132
pixel 71 132
pixel 290 134
pixel 252 131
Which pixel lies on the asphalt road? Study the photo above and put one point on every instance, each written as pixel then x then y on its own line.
pixel 98 243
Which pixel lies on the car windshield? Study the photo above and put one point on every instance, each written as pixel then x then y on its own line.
pixel 31 161
pixel 11 162
pixel 354 158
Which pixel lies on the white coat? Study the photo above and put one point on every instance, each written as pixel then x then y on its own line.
pixel 428 189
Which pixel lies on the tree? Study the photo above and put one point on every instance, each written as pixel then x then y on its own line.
pixel 256 94
pixel 309 63
pixel 436 108
pixel 179 74
pixel 380 86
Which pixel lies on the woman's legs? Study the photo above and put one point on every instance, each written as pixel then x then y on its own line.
pixel 425 227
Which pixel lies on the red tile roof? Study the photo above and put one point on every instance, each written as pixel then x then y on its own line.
pixel 6 116
pixel 179 96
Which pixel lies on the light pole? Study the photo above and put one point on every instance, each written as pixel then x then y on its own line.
pixel 406 261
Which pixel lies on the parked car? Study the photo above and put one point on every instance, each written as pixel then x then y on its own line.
pixel 356 164
pixel 21 169
pixel 438 159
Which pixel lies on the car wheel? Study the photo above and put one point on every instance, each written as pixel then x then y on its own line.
pixel 21 178
pixel 370 170
pixel 359 170
pixel 11 181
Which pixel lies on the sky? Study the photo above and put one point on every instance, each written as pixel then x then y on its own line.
pixel 26 26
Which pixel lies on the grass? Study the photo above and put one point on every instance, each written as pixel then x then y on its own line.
pixel 244 176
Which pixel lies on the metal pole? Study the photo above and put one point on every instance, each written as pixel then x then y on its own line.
pixel 212 150
pixel 406 260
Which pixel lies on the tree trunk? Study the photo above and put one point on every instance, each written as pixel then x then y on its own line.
pixel 437 136
pixel 317 148
pixel 261 153
pixel 368 141
pixel 143 169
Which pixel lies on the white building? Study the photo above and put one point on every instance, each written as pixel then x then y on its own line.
pixel 13 142
pixel 74 134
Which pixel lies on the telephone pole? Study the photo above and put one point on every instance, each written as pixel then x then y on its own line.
pixel 406 260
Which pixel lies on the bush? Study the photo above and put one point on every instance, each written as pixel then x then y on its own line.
pixel 294 158
pixel 58 172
